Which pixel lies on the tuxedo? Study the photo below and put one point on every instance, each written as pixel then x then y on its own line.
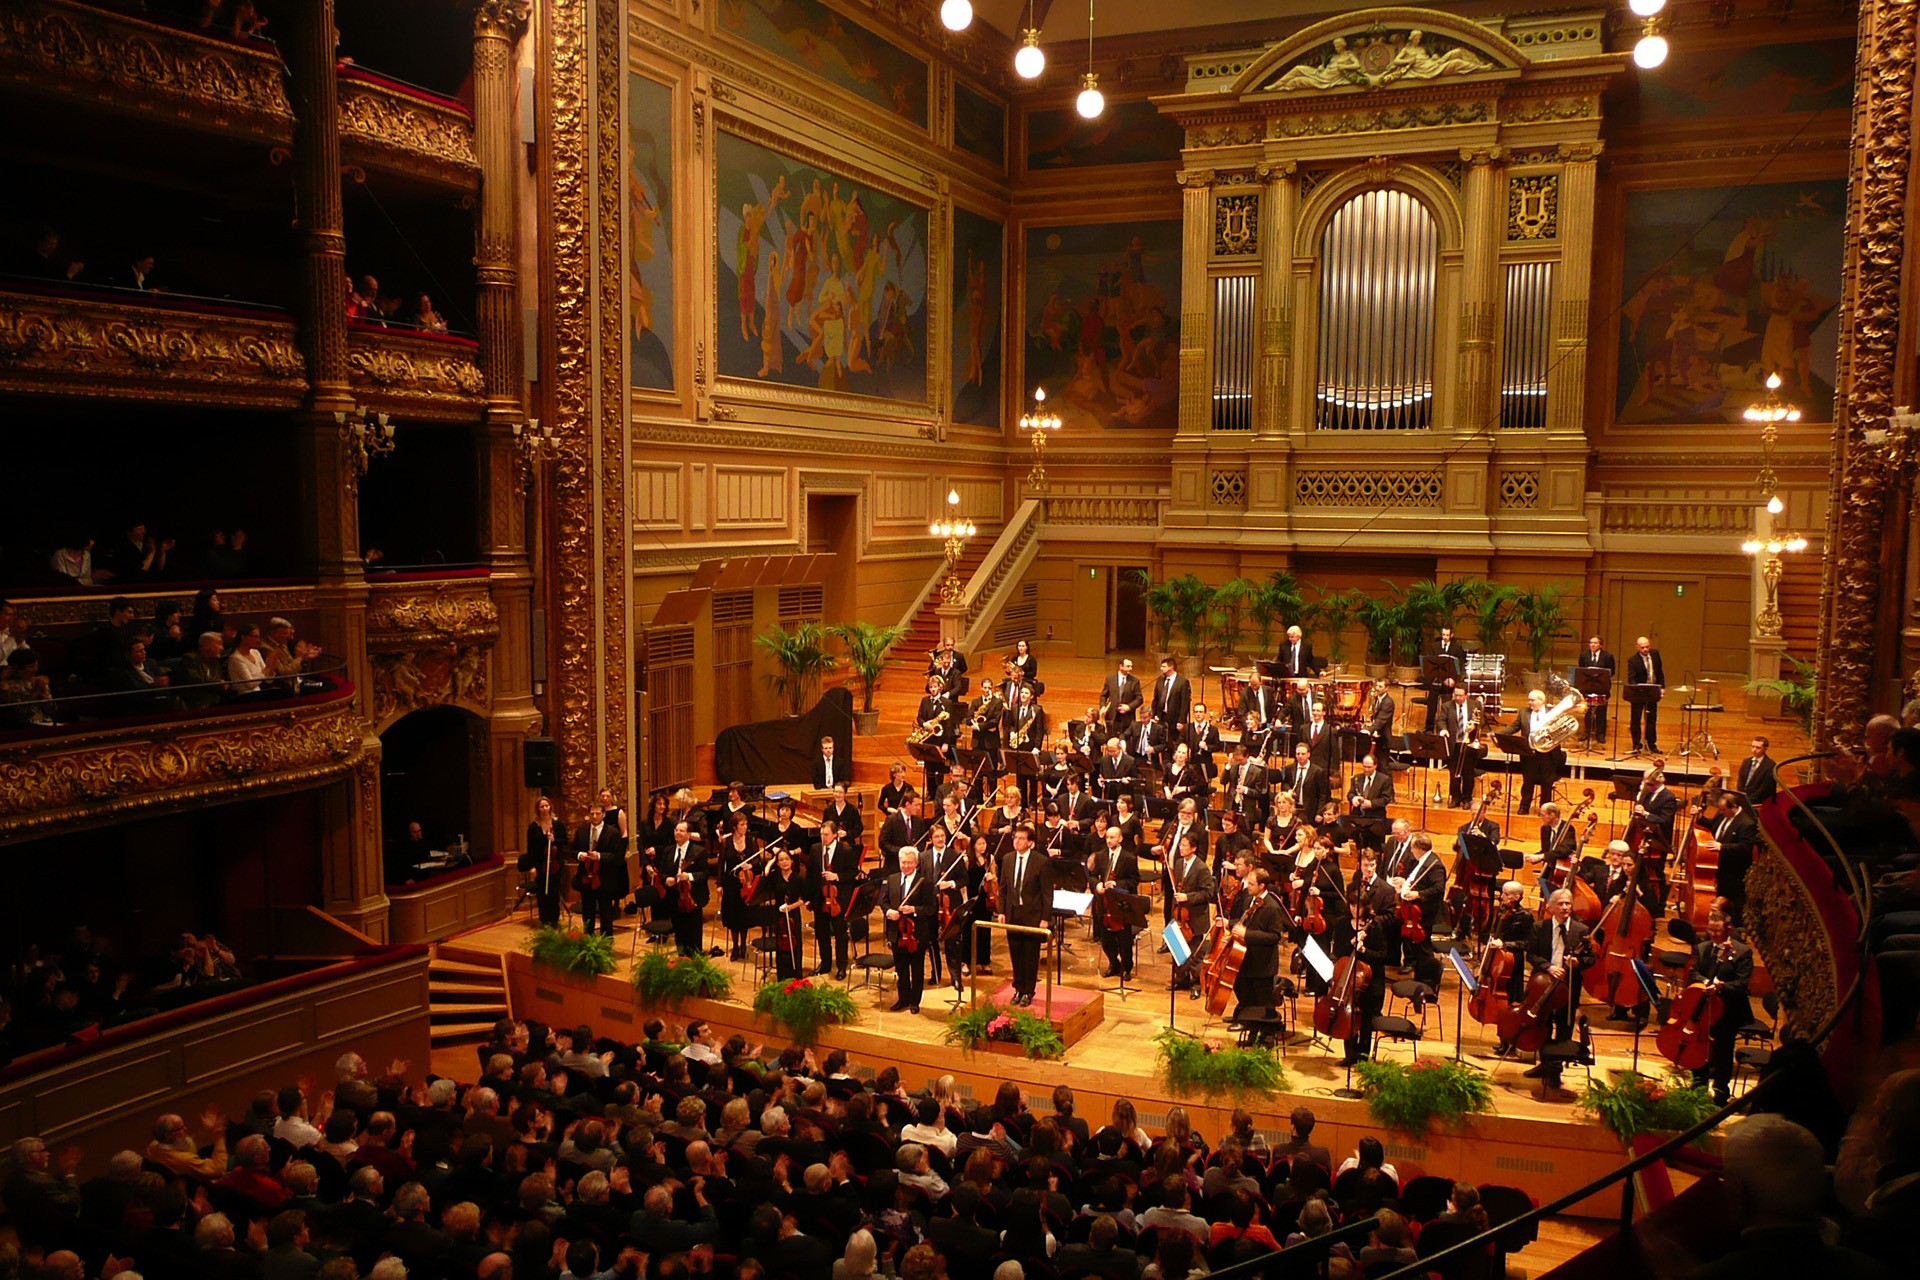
pixel 1575 947
pixel 1440 692
pixel 842 857
pixel 1192 877
pixel 1738 835
pixel 1147 740
pixel 1757 780
pixel 1730 964
pixel 1296 659
pixel 1322 743
pixel 1661 806
pixel 1541 769
pixel 1172 833
pixel 1024 899
pixel 1124 870
pixel 1259 697
pixel 1120 689
pixel 1463 762
pixel 1247 791
pixel 1597 712
pixel 1203 740
pixel 1079 808
pixel 916 892
pixel 1368 796
pixel 829 770
pixel 959 667
pixel 1115 775
pixel 1645 669
pixel 690 859
pixel 942 737
pixel 1380 724
pixel 1309 788
pixel 1172 701
pixel 603 846
pixel 1265 927
pixel 898 831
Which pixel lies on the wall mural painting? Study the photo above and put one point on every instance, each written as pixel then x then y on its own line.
pixel 979 126
pixel 1750 83
pixel 1724 286
pixel 1125 133
pixel 834 47
pixel 979 273
pixel 823 279
pixel 1103 322
pixel 650 234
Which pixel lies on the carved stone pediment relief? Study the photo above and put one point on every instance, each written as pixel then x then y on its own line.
pixel 410 616
pixel 1381 57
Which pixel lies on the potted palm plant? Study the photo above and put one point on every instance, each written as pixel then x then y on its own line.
pixel 1272 603
pixel 800 660
pixel 1330 613
pixel 867 646
pixel 1493 612
pixel 1228 621
pixel 1540 615
pixel 1380 615
pixel 1181 606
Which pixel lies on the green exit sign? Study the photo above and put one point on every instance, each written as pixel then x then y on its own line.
pixel 1679 588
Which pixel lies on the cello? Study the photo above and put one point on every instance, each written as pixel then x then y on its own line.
pixel 1333 1011
pixel 1489 1003
pixel 1222 969
pixel 1529 1025
pixel 1686 1038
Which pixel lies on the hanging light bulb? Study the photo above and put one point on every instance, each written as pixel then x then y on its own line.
pixel 956 15
pixel 1091 102
pixel 1650 52
pixel 1030 61
pixel 1646 8
pixel 1775 506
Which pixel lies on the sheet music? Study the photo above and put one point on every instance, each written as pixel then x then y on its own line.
pixel 1319 960
pixel 1068 900
pixel 1460 966
pixel 1181 952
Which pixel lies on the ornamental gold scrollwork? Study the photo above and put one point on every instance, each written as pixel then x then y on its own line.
pixel 389 128
pixel 99 775
pixel 1786 929
pixel 406 616
pixel 1381 120
pixel 427 373
pixel 436 676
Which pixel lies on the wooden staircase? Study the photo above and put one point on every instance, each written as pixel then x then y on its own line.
pixel 923 633
pixel 466 994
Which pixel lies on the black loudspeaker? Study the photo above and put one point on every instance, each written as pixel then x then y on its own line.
pixel 540 764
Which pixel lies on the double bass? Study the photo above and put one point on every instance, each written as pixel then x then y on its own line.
pixel 1471 898
pixel 1622 936
pixel 1333 1011
pixel 1555 873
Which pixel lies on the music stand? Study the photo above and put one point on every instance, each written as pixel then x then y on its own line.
pixel 1425 748
pixel 1133 909
pixel 1640 695
pixel 1515 745
pixel 1024 765
pixel 1436 669
pixel 1589 683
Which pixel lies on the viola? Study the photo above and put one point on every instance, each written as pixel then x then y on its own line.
pixel 1412 927
pixel 1686 1038
pixel 686 905
pixel 908 939
pixel 1315 920
pixel 1333 1011
pixel 830 898
pixel 1492 973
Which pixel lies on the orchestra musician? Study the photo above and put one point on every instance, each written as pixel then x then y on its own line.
pixel 1183 778
pixel 1203 739
pixel 1318 737
pixel 828 770
pixel 1368 795
pixel 1306 781
pixel 1258 699
pixel 1561 947
pixel 1396 855
pixel 1380 721
pixel 908 895
pixel 947 863
pixel 1757 780
pixel 1132 829
pixel 1087 736
pixel 1261 928
pixel 954 818
pixel 1257 736
pixel 1024 728
pixel 980 868
pixel 1076 806
pixel 543 861
pixel 1423 881
pixel 1245 784
pixel 1731 826
pixel 1284 834
pixel 1373 900
pixel 1115 771
pixel 599 854
pixel 1186 823
pixel 1298 709
pixel 1023 667
pixel 949 665
pixel 1114 866
pixel 1644 668
pixel 1619 881
pixel 1172 699
pixel 1190 886
pixel 1296 654
pixel 738 855
pixel 1234 840
pixel 1513 928
pixel 935 717
pixel 1024 900
pixel 1726 964
pixel 1538 769
pixel 846 816
pixel 1656 805
pixel 736 804
pixel 1320 879
pixel 1439 693
pixel 985 717
pixel 1002 820
pixel 1120 698
pixel 782 896
pixel 1597 658
pixel 1460 726
pixel 894 794
pixel 1147 740
pixel 903 827
pixel 685 864
pixel 835 863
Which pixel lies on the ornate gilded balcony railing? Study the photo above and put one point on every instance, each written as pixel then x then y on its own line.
pixel 84 54
pixel 431 644
pixel 396 128
pixel 88 774
pixel 123 343
pixel 423 375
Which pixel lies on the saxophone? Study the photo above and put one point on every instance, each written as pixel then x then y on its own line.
pixel 929 728
pixel 1017 740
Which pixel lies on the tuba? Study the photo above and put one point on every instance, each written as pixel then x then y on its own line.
pixel 1563 722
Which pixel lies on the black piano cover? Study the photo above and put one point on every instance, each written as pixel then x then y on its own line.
pixel 783 750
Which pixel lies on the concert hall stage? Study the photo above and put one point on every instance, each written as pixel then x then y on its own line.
pixel 1545 1146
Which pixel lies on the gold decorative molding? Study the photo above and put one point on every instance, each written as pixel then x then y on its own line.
pixel 1678 516
pixel 1321 124
pixel 436 676
pixel 409 615
pixel 238 601
pixel 504 18
pixel 83 53
pixel 106 346
pixel 387 128
pixel 609 138
pixel 425 377
pixel 1533 206
pixel 1785 927
pixel 105 775
pixel 1402 489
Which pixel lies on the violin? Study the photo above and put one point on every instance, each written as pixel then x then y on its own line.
pixel 590 877
pixel 830 898
pixel 908 939
pixel 686 904
pixel 1333 1012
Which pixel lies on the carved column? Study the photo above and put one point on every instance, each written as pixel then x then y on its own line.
pixel 1567 380
pixel 1867 511
pixel 1479 269
pixel 1196 206
pixel 1280 209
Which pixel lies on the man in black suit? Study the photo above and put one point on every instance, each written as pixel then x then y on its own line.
pixel 1190 884
pixel 599 855
pixel 1380 721
pixel 1560 946
pixel 1539 770
pixel 1726 965
pixel 1259 696
pixel 908 897
pixel 1426 883
pixel 937 715
pixel 829 769
pixel 1147 740
pixel 1598 659
pixel 1186 823
pixel 1321 741
pixel 1261 930
pixel 1296 654
pixel 1644 668
pixel 1076 805
pixel 1120 698
pixel 1657 803
pixel 685 866
pixel 1368 796
pixel 947 660
pixel 836 862
pixel 1757 779
pixel 1114 867
pixel 1024 728
pixel 903 827
pixel 1440 691
pixel 1172 699
pixel 1024 899
pixel 1459 726
pixel 1738 835
pixel 1115 771
pixel 1307 782
pixel 1245 783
